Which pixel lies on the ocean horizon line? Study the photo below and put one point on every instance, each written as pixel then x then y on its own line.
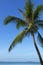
pixel 20 62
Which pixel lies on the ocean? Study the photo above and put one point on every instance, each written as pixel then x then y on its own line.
pixel 20 63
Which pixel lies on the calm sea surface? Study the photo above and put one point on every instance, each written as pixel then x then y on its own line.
pixel 7 63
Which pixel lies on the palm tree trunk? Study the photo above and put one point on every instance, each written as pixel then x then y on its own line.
pixel 39 55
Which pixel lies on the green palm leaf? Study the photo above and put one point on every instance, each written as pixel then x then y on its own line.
pixel 16 20
pixel 37 11
pixel 21 11
pixel 40 39
pixel 39 23
pixel 28 9
pixel 18 39
pixel 8 19
pixel 23 14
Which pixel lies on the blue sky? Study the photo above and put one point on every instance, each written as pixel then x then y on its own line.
pixel 24 51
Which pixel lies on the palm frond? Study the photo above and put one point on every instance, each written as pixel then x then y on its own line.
pixel 40 39
pixel 18 39
pixel 39 23
pixel 37 11
pixel 28 9
pixel 21 12
pixel 8 19
pixel 19 22
pixel 41 26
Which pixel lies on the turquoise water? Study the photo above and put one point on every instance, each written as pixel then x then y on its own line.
pixel 19 63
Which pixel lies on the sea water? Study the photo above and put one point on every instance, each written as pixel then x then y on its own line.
pixel 9 63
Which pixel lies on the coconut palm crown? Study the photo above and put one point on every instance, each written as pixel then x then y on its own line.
pixel 31 23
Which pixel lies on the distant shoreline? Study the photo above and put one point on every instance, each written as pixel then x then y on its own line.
pixel 22 62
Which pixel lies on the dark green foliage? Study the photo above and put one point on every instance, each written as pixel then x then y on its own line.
pixel 37 11
pixel 39 23
pixel 19 22
pixel 31 22
pixel 21 11
pixel 8 19
pixel 28 9
pixel 18 39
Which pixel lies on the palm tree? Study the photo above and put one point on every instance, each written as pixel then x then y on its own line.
pixel 31 24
